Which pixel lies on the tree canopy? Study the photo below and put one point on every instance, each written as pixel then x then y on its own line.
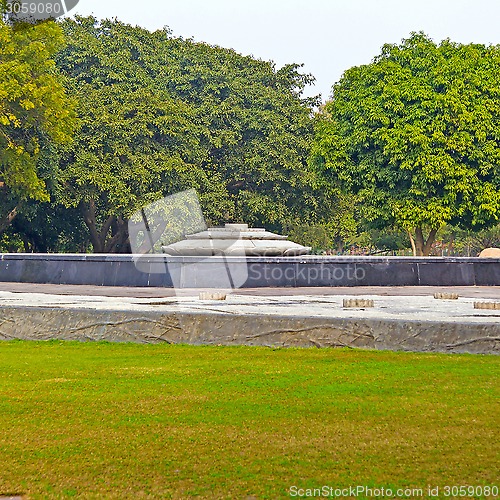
pixel 161 114
pixel 35 113
pixel 407 144
pixel 415 137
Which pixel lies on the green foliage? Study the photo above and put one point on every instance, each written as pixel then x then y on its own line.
pixel 49 228
pixel 487 238
pixel 34 109
pixel 415 135
pixel 128 153
pixel 388 239
pixel 331 226
pixel 10 242
pixel 317 237
pixel 35 116
pixel 160 115
pixel 469 243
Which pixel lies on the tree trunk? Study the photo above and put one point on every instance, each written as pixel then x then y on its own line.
pixel 119 242
pixel 422 248
pixel 412 241
pixel 419 241
pixel 450 245
pixel 97 238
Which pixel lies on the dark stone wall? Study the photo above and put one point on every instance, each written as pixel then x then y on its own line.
pixel 251 272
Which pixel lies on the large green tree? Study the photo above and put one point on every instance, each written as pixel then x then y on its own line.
pixel 415 137
pixel 259 128
pixel 129 151
pixel 35 113
pixel 161 114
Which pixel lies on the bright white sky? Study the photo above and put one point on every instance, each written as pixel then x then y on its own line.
pixel 328 36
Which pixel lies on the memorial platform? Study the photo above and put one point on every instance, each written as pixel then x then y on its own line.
pixel 402 319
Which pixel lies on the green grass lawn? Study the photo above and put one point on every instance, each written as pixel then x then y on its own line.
pixel 100 420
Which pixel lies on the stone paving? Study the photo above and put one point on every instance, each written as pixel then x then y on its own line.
pixel 404 303
pixel 480 292
pixel 405 318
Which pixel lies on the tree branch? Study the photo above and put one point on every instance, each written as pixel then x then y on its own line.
pixel 6 221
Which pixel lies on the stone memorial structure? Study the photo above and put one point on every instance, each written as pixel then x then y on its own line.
pixel 235 240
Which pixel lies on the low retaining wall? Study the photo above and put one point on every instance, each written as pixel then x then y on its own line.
pixel 37 323
pixel 251 272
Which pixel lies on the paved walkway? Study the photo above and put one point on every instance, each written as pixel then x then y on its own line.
pixel 403 318
pixel 388 307
pixel 477 292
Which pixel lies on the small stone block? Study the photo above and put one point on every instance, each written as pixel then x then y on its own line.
pixel 212 296
pixel 359 303
pixel 446 296
pixel 487 305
